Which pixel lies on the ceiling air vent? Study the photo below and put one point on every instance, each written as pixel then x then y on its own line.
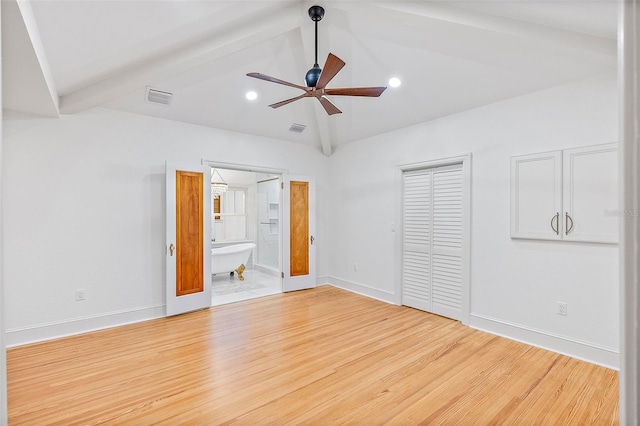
pixel 158 96
pixel 297 128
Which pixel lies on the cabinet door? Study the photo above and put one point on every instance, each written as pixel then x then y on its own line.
pixel 590 194
pixel 536 196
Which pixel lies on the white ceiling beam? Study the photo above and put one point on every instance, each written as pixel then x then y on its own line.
pixel 307 34
pixel 323 128
pixel 32 89
pixel 457 15
pixel 36 41
pixel 181 59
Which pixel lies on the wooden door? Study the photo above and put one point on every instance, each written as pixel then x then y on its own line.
pixel 299 246
pixel 188 236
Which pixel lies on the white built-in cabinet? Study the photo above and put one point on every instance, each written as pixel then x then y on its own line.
pixel 569 195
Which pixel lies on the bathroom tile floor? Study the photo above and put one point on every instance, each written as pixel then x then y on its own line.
pixel 227 289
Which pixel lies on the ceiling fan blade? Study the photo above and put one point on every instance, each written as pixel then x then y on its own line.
pixel 288 101
pixel 331 68
pixel 275 80
pixel 328 106
pixel 356 91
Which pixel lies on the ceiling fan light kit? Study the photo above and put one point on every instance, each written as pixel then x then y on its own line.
pixel 317 78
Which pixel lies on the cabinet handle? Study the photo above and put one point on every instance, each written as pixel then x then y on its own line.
pixel 556 217
pixel 568 219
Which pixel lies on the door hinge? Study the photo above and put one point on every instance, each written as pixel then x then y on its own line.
pixel 281 185
pixel 282 275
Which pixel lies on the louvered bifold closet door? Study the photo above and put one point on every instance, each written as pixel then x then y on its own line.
pixel 416 250
pixel 432 240
pixel 446 249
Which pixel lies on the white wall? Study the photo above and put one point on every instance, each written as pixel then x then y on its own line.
pixel 515 284
pixel 84 208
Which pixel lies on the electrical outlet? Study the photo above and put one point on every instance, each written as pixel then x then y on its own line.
pixel 355 267
pixel 79 294
pixel 562 308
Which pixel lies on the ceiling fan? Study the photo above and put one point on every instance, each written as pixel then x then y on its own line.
pixel 318 78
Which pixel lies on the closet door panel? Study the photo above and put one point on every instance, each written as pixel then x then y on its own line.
pixel 447 284
pixel 416 250
pixel 446 259
pixel 432 264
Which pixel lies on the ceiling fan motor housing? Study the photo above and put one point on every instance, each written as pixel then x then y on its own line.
pixel 312 76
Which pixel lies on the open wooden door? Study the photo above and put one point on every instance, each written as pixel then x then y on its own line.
pixel 298 233
pixel 188 249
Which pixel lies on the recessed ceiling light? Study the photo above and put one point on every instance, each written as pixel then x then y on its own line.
pixel 394 82
pixel 252 96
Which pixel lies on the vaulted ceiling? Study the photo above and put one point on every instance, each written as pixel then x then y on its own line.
pixel 63 57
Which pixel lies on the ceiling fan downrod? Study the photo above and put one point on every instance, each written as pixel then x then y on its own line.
pixel 311 79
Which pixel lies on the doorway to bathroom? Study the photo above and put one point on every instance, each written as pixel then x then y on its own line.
pixel 246 242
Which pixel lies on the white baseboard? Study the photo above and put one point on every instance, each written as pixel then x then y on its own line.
pixel 324 280
pixel 267 270
pixel 365 290
pixel 595 354
pixel 54 330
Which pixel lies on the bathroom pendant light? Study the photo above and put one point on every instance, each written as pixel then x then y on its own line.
pixel 218 187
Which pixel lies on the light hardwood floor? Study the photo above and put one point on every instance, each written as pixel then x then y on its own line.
pixel 321 356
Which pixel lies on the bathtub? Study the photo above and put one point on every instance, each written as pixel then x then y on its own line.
pixel 230 258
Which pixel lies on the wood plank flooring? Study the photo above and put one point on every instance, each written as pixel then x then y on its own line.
pixel 322 356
